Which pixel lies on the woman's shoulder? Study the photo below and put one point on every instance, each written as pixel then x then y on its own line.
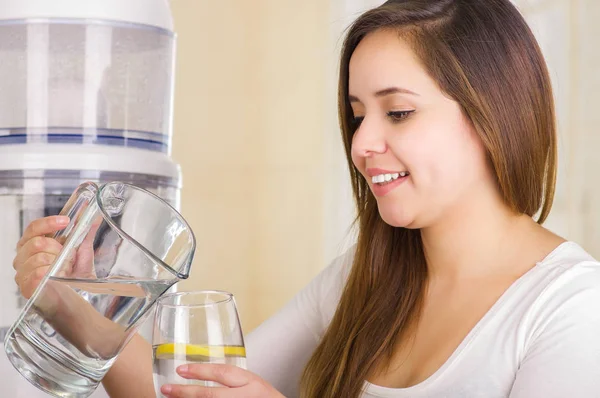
pixel 323 293
pixel 555 311
pixel 567 254
pixel 567 282
pixel 569 267
pixel 336 273
pixel 331 281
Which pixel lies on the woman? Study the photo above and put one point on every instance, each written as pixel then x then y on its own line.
pixel 452 290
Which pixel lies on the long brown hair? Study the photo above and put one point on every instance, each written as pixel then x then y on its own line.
pixel 483 55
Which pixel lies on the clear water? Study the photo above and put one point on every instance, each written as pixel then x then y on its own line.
pixel 165 365
pixel 72 333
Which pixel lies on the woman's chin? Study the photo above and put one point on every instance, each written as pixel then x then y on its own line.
pixel 396 218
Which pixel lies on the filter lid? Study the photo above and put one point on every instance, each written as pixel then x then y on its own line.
pixel 155 13
pixel 87 157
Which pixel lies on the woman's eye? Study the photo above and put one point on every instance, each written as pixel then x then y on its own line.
pixel 395 116
pixel 398 116
pixel 357 121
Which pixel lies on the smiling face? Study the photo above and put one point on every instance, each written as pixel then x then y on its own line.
pixel 420 155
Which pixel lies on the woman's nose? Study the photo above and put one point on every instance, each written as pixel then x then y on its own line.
pixel 369 139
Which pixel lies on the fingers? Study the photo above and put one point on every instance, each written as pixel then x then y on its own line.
pixel 43 226
pixel 84 264
pixel 36 245
pixel 29 280
pixel 33 261
pixel 227 375
pixel 180 391
pixel 236 382
pixel 35 252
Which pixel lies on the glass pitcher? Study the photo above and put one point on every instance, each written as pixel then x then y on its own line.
pixel 123 248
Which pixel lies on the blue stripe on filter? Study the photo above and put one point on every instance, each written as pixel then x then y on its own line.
pixel 140 143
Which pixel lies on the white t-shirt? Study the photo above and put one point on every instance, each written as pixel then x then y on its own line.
pixel 540 339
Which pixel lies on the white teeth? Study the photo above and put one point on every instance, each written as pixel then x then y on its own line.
pixel 378 179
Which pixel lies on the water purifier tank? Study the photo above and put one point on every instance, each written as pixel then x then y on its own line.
pixel 86 94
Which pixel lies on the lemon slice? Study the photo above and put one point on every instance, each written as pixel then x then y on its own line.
pixel 170 350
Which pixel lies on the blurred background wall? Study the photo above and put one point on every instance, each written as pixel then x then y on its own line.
pixel 265 179
pixel 567 31
pixel 250 134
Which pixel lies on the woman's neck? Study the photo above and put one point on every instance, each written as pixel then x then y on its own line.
pixel 475 240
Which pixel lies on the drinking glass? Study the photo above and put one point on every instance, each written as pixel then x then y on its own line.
pixel 195 327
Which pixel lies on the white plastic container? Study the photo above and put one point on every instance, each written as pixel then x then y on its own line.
pixel 87 71
pixel 154 13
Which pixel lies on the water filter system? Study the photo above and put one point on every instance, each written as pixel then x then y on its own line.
pixel 86 94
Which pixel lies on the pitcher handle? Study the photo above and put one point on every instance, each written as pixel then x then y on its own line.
pixel 77 203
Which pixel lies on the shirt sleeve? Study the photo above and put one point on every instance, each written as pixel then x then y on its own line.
pixel 563 358
pixel 279 349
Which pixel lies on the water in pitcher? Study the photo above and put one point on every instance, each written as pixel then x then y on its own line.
pixel 86 321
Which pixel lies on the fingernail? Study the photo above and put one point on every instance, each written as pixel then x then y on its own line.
pixel 183 369
pixel 62 220
pixel 166 389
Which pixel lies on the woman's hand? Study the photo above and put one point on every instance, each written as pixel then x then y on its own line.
pixel 36 252
pixel 237 382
